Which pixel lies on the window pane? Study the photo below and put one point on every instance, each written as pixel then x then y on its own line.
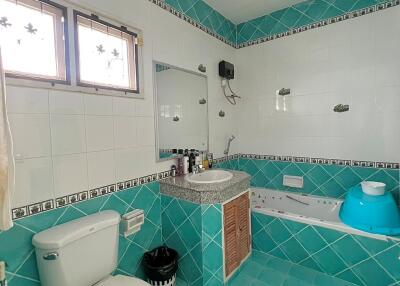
pixel 27 38
pixel 105 57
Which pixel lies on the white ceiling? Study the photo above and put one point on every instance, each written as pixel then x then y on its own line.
pixel 239 11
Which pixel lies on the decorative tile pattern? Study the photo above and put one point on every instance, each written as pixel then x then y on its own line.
pixel 16 246
pixel 265 270
pixel 304 16
pixel 357 259
pixel 195 231
pixel 61 202
pixel 202 16
pixel 322 177
pixel 301 17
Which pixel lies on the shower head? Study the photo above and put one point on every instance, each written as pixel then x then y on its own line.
pixel 228 146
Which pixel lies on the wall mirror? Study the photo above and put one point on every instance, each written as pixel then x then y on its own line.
pixel 181 105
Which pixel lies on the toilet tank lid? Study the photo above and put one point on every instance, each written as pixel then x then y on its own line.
pixel 63 234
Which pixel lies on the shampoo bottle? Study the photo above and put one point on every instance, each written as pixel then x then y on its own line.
pixel 192 161
pixel 198 159
pixel 186 163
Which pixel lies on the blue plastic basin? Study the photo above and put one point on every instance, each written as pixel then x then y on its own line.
pixel 374 214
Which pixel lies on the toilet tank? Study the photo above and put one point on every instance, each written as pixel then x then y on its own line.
pixel 80 252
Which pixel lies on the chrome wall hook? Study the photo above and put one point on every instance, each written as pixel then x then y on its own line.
pixel 202 68
pixel 341 108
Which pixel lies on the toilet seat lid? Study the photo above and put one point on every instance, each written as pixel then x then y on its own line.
pixel 122 280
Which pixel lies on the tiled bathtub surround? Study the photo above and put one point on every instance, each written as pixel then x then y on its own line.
pixel 322 177
pixel 295 19
pixel 16 247
pixel 195 231
pixel 357 259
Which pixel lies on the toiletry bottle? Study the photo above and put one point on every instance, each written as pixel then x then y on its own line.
pixel 179 167
pixel 198 159
pixel 205 161
pixel 210 160
pixel 186 162
pixel 173 171
pixel 192 161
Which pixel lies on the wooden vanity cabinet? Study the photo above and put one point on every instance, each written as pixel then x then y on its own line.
pixel 236 232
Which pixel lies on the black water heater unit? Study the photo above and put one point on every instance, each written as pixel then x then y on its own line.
pixel 226 70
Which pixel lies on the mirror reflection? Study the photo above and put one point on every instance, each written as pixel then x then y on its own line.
pixel 182 108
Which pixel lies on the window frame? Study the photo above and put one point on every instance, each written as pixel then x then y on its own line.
pixel 64 44
pixel 123 29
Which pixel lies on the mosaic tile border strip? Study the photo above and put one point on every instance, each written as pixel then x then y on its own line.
pixel 346 16
pixel 169 8
pixel 33 209
pixel 333 20
pixel 324 161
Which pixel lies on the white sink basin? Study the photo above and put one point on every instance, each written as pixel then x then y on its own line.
pixel 210 177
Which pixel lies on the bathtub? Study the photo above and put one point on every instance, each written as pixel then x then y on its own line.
pixel 308 209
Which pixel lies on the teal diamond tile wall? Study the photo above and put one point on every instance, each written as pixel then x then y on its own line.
pixel 202 13
pixel 195 231
pixel 16 246
pixel 182 231
pixel 281 21
pixel 213 272
pixel 304 13
pixel 319 179
pixel 357 259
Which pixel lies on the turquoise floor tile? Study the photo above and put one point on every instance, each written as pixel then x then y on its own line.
pixel 265 270
pixel 20 281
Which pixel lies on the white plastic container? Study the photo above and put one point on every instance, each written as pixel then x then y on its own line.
pixel 373 188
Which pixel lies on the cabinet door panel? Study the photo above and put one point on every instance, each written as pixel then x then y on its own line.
pixel 231 240
pixel 244 226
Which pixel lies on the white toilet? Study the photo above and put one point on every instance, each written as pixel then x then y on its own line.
pixel 82 252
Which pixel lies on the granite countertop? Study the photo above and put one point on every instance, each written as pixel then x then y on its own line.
pixel 206 193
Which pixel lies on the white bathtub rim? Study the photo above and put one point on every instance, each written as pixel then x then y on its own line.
pixel 339 226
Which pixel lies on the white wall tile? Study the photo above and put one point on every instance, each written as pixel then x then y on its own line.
pixel 31 135
pixel 347 63
pixel 34 181
pixel 123 106
pixel 99 133
pixel 101 171
pixel 98 105
pixel 27 100
pixel 145 131
pixel 124 160
pixel 98 111
pixel 70 174
pixel 125 132
pixel 144 159
pixel 144 107
pixel 62 102
pixel 68 134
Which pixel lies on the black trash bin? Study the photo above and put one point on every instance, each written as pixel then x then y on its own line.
pixel 160 266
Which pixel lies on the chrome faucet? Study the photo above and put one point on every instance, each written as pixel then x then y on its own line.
pixel 228 146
